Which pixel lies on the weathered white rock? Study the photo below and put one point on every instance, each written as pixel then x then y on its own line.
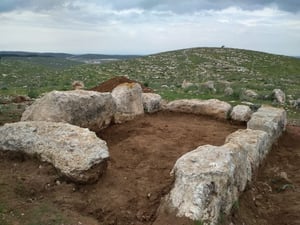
pixel 128 99
pixel 210 85
pixel 76 152
pixel 207 182
pixel 211 107
pixel 279 96
pixel 297 103
pixel 241 113
pixel 77 85
pixel 87 109
pixel 269 119
pixel 151 102
pixel 228 91
pixel 250 93
pixel 185 84
pixel 255 143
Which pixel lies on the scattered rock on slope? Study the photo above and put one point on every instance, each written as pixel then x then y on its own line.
pixel 228 91
pixel 87 109
pixel 297 103
pixel 76 152
pixel 250 94
pixel 279 96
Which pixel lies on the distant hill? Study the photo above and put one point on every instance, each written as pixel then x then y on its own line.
pixel 32 54
pixel 99 58
pixel 86 58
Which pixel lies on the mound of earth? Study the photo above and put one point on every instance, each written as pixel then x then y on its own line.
pixel 109 85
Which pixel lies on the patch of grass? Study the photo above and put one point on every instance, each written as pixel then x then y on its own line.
pixel 243 69
pixel 236 205
pixel 198 222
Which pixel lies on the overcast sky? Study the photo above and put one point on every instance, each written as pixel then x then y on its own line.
pixel 149 26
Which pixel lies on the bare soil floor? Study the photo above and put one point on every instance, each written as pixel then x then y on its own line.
pixel 143 153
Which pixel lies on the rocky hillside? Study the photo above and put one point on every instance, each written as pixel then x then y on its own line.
pixel 224 73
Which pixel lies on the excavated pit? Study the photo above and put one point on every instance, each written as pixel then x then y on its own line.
pixel 143 153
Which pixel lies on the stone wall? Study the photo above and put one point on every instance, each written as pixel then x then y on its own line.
pixel 209 179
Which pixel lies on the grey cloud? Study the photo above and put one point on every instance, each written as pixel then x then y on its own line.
pixel 187 6
pixel 176 6
pixel 9 5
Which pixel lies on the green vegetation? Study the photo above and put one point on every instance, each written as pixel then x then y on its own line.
pixel 164 72
pixel 198 222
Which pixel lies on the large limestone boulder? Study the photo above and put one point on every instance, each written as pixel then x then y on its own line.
pixel 255 143
pixel 211 107
pixel 87 109
pixel 279 96
pixel 151 102
pixel 269 119
pixel 76 152
pixel 207 182
pixel 128 99
pixel 241 113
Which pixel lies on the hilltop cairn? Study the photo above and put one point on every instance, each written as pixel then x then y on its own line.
pixel 209 179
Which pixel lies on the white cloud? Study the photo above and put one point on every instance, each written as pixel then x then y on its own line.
pixel 89 27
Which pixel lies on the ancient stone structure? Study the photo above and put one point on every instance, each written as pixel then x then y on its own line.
pixel 87 109
pixel 151 102
pixel 76 152
pixel 209 179
pixel 241 113
pixel 128 99
pixel 211 107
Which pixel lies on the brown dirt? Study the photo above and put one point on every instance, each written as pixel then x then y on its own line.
pixel 143 153
pixel 110 84
pixel 274 197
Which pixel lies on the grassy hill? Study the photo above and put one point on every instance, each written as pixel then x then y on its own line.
pixel 164 72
